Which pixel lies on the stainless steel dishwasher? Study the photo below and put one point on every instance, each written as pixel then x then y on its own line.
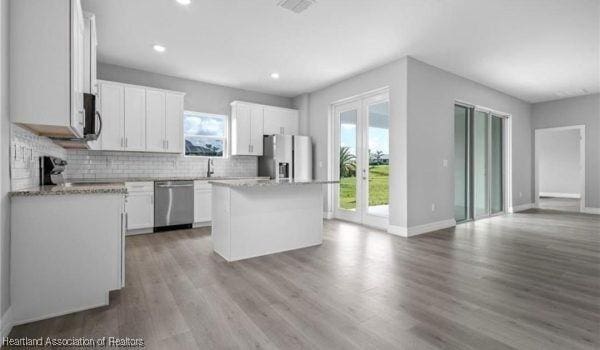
pixel 173 205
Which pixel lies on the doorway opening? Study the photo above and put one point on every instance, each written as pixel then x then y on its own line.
pixel 560 168
pixel 361 159
pixel 479 163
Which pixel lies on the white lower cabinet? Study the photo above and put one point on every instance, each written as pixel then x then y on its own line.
pixel 202 202
pixel 139 206
pixel 67 256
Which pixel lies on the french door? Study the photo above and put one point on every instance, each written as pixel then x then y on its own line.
pixel 361 146
pixel 478 163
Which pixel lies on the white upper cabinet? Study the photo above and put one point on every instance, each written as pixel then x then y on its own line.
pixel 250 121
pixel 256 130
pixel 90 44
pixel 135 119
pixel 155 121
pixel 140 119
pixel 47 66
pixel 280 121
pixel 174 122
pixel 246 129
pixel 111 106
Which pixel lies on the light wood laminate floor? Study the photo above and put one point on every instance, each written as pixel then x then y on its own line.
pixel 524 281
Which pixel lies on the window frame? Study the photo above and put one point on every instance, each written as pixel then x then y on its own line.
pixel 225 137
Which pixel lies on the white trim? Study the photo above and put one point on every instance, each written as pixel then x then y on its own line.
pixel 521 207
pixel 328 215
pixel 420 229
pixel 560 195
pixel 6 323
pixel 536 180
pixel 202 224
pixel 398 230
pixel 591 210
pixel 432 226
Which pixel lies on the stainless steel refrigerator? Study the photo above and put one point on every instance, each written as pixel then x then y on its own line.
pixel 286 157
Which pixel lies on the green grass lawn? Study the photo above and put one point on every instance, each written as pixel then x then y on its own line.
pixel 378 188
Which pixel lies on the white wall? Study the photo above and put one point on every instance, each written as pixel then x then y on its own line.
pixel 558 163
pixel 582 110
pixel 199 96
pixel 431 96
pixel 422 135
pixel 4 163
pixel 392 75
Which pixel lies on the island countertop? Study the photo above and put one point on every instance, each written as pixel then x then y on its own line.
pixel 267 183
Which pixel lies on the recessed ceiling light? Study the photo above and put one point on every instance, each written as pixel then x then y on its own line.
pixel 274 75
pixel 159 48
pixel 184 2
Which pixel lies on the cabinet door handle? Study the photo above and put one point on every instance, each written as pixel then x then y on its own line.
pixel 126 142
pixel 151 199
pixel 121 142
pixel 167 144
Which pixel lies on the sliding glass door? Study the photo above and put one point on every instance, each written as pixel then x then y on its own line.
pixel 478 163
pixel 362 160
pixel 461 163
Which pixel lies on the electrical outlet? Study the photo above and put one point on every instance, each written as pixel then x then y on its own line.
pixel 320 164
pixel 432 206
pixel 520 194
pixel 445 163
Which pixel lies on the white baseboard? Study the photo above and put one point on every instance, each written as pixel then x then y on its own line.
pixel 420 229
pixel 6 323
pixel 397 230
pixel 591 210
pixel 202 224
pixel 521 207
pixel 560 195
pixel 328 215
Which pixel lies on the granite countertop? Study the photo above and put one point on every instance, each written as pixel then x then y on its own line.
pixel 151 179
pixel 71 189
pixel 113 185
pixel 267 183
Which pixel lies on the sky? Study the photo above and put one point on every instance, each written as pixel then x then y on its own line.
pixel 378 128
pixel 378 138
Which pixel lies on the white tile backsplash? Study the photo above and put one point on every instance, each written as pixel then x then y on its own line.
pixel 25 150
pixel 84 164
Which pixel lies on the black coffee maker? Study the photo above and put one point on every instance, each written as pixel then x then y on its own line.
pixel 51 170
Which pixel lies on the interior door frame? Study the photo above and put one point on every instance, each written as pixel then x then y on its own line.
pixel 359 216
pixel 536 180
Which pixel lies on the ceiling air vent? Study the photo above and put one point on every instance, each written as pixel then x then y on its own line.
pixel 296 6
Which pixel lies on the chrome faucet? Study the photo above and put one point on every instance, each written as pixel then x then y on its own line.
pixel 210 170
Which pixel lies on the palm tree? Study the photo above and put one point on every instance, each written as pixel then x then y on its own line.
pixel 347 162
pixel 378 156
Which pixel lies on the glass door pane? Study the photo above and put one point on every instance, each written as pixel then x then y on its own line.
pixel 496 198
pixel 461 158
pixel 480 164
pixel 378 158
pixel 347 159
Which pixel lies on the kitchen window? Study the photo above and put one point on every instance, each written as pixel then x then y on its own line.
pixel 204 134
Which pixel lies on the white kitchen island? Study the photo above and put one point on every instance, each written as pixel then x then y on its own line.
pixel 258 217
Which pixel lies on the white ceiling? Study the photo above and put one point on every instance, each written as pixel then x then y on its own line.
pixel 533 49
